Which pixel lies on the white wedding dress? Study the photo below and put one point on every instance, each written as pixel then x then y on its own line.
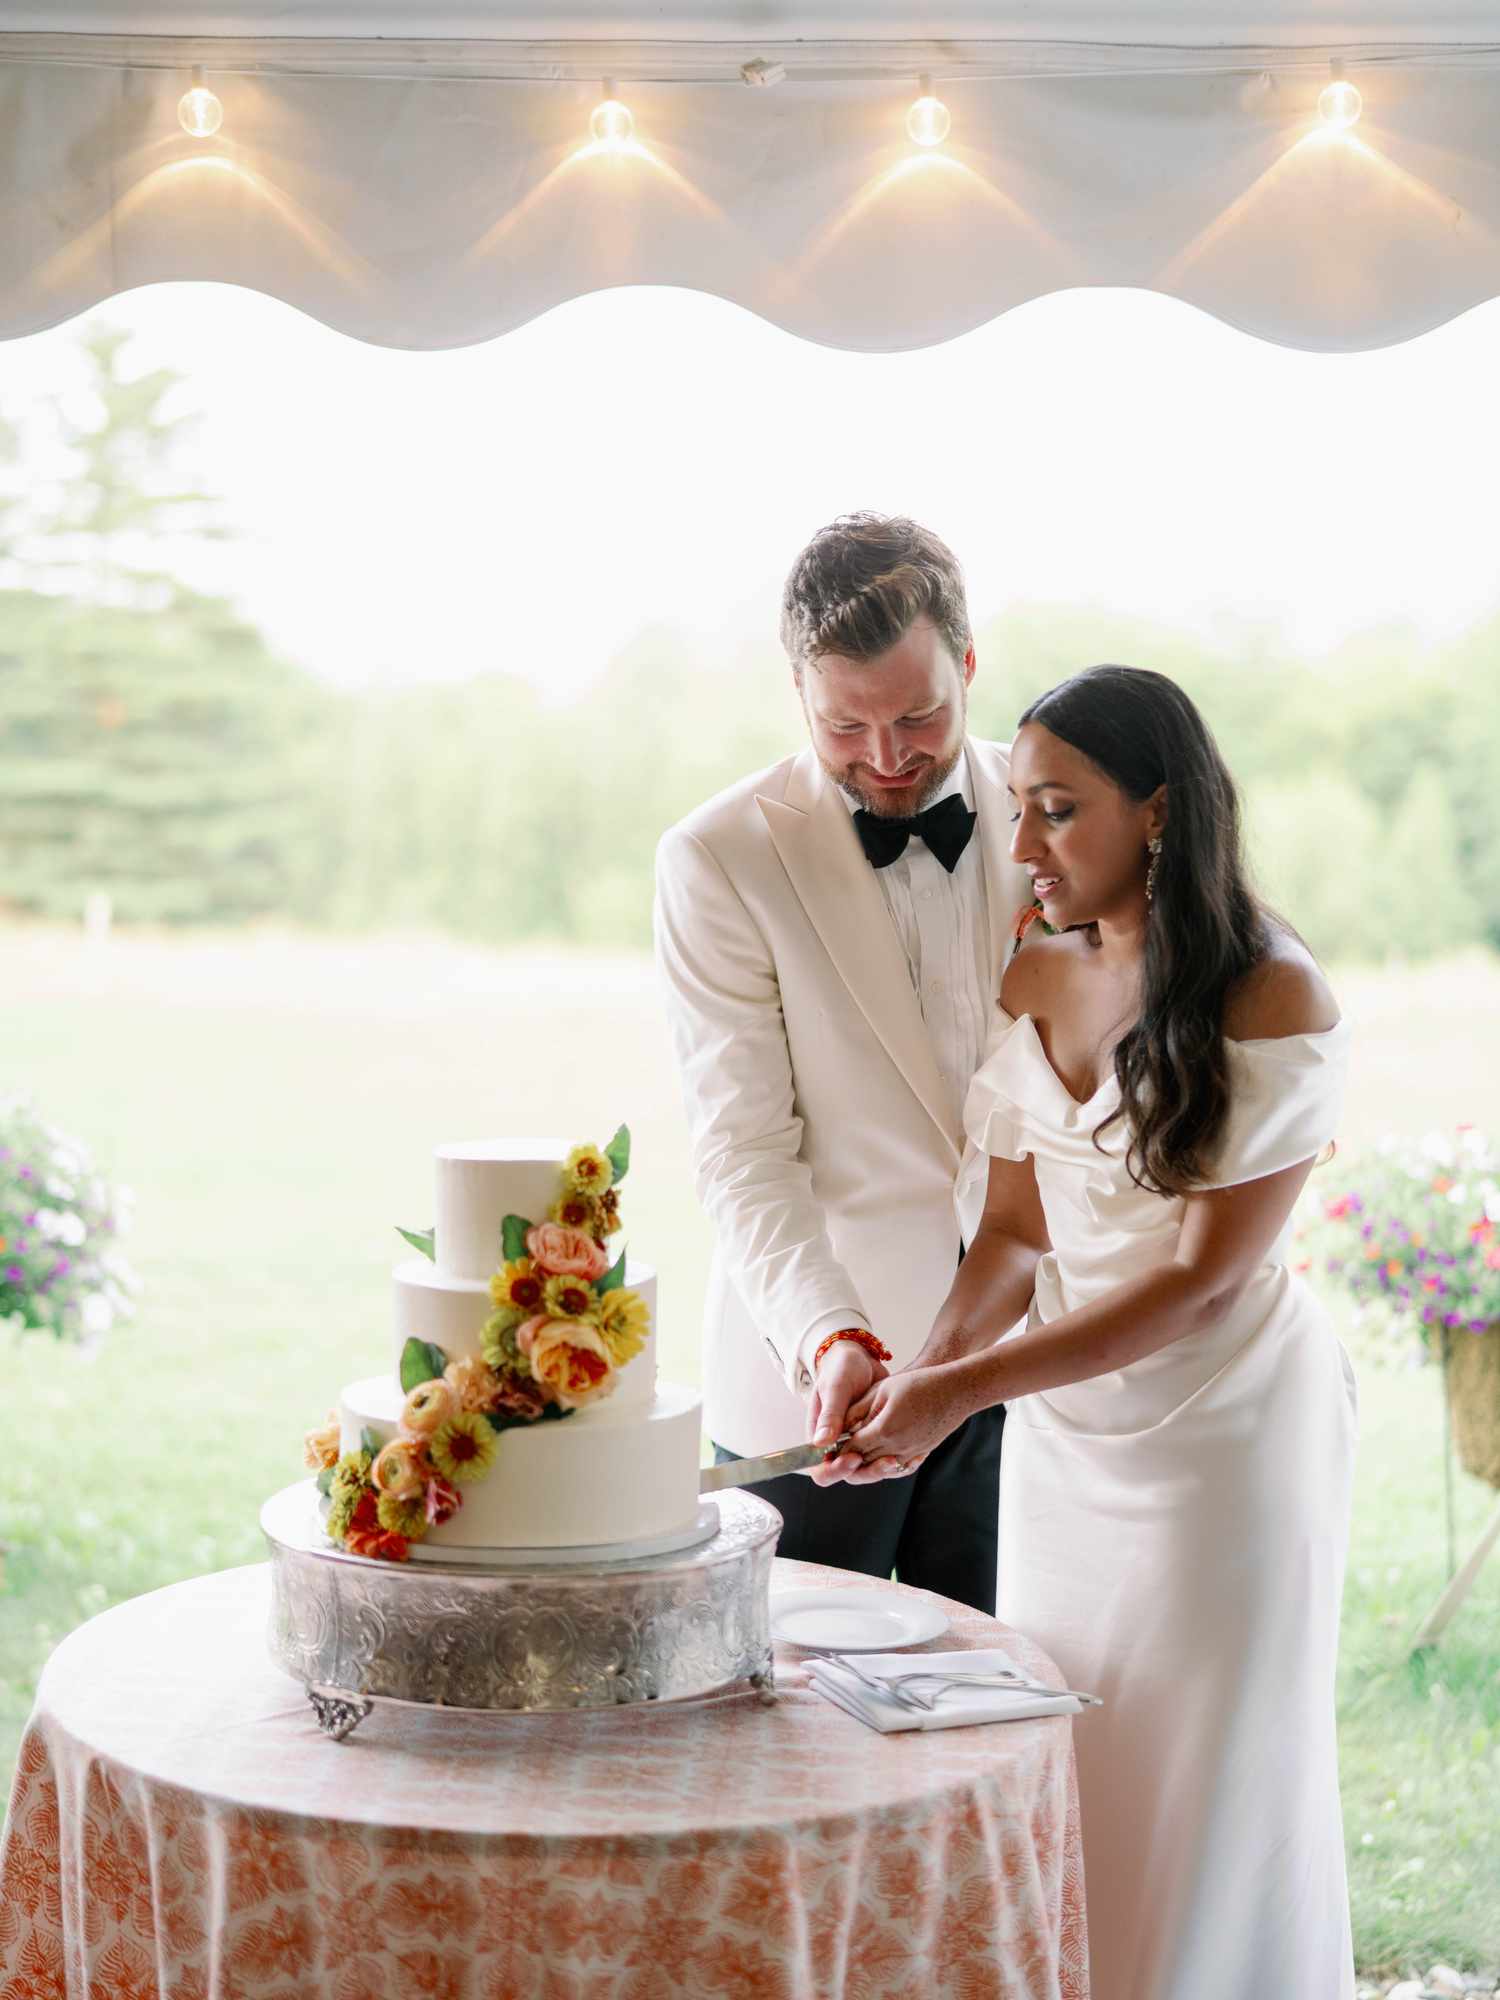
pixel 1174 1535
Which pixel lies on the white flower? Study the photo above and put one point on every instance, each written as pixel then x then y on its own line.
pixel 71 1231
pixel 1492 1201
pixel 49 1223
pixel 59 1189
pixel 1436 1147
pixel 1458 1194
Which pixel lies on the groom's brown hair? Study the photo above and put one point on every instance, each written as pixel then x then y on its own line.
pixel 861 584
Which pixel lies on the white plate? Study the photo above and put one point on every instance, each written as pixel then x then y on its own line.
pixel 854 1620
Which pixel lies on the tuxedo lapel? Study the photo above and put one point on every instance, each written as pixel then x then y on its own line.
pixel 814 835
pixel 1006 886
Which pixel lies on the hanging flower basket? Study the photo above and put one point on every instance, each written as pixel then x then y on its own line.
pixel 1473 1379
pixel 1415 1226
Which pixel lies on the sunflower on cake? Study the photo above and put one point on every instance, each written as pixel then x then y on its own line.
pixel 491 1361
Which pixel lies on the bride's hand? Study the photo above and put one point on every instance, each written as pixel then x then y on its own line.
pixel 901 1420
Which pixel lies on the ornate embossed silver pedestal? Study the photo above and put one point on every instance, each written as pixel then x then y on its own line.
pixel 525 1636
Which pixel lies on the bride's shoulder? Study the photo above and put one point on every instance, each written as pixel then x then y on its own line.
pixel 1284 993
pixel 1036 971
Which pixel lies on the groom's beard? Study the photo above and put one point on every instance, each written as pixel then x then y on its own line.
pixel 897 801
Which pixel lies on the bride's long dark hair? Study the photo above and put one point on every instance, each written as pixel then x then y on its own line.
pixel 1205 926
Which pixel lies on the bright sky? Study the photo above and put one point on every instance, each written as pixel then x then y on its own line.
pixel 644 456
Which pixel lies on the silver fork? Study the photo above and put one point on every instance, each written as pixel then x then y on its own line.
pixel 899 1689
pixel 901 1685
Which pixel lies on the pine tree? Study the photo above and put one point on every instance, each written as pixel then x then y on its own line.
pixel 151 747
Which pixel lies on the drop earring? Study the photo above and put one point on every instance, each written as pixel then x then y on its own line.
pixel 1153 848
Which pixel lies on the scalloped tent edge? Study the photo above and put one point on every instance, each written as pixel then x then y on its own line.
pixel 437 192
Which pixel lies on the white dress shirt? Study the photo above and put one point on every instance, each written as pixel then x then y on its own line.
pixel 943 923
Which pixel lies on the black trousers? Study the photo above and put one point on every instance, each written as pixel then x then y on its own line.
pixel 938 1530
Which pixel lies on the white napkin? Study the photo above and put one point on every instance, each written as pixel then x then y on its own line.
pixel 955 1706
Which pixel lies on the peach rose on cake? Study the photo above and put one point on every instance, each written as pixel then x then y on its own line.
pixel 569 1357
pixel 400 1471
pixel 320 1447
pixel 473 1381
pixel 427 1408
pixel 566 1252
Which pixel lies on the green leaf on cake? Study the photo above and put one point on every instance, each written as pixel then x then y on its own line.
pixel 507 1420
pixel 617 1152
pixel 513 1238
pixel 614 1277
pixel 325 1480
pixel 370 1443
pixel 420 1239
pixel 420 1362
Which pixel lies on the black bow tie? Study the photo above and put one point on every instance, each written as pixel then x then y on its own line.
pixel 945 827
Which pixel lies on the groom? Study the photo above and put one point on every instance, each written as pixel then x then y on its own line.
pixel 831 934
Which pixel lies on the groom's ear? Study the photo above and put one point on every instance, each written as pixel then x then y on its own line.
pixel 970 664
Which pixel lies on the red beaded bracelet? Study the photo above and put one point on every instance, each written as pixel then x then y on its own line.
pixel 861 1338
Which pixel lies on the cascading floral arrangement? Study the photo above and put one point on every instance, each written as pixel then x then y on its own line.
pixel 1416 1227
pixel 564 1324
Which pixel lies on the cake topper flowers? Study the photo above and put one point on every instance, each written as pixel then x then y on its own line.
pixel 563 1326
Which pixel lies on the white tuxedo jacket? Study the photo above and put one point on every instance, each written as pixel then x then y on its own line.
pixel 824 1145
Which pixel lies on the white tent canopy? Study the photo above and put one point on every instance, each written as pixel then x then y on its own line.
pixel 425 176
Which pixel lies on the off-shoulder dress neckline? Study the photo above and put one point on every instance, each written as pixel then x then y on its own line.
pixel 1339 1028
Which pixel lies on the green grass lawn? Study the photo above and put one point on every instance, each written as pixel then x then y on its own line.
pixel 274 1103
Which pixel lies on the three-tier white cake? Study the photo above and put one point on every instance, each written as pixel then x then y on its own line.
pixel 616 1465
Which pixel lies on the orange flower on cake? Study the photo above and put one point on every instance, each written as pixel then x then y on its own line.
pixel 625 1321
pixel 517 1287
pixel 587 1171
pixel 609 1214
pixel 569 1357
pixel 399 1471
pixel 427 1408
pixel 473 1381
pixel 320 1447
pixel 565 1251
pixel 364 1535
pixel 464 1448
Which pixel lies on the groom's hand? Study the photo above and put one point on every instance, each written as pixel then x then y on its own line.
pixel 846 1374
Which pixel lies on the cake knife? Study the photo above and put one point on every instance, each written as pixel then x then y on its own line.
pixel 749 1471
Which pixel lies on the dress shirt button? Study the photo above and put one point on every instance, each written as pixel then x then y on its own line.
pixel 934 986
pixel 927 895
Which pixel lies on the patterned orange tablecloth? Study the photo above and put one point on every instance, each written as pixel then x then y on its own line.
pixel 179 1828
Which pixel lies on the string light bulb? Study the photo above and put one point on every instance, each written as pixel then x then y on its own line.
pixel 1340 104
pixel 199 112
pixel 612 123
pixel 928 122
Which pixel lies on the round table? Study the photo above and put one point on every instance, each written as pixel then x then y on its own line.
pixel 180 1830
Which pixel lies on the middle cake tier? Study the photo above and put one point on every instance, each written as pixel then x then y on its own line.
pixel 451 1313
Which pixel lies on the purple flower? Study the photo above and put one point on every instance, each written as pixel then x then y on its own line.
pixel 1453 1319
pixel 27 1174
pixel 1429 1313
pixel 65 1264
pixel 1368 1230
pixel 1476 1326
pixel 15 1274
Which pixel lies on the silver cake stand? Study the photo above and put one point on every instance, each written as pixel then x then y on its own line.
pixel 541 1632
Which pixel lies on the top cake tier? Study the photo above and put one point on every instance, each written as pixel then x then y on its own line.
pixel 479 1183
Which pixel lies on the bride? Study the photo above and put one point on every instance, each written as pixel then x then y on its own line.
pixel 1165 1067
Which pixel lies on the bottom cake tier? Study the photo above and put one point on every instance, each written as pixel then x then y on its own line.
pixel 600 1476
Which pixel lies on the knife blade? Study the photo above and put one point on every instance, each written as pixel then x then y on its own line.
pixel 749 1471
